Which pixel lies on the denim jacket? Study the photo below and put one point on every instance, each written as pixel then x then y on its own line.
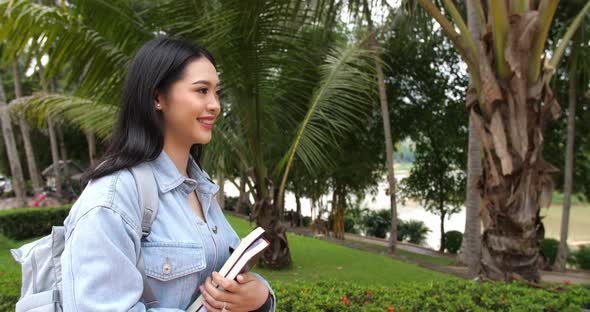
pixel 103 237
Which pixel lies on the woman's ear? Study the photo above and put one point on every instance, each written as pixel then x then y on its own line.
pixel 158 102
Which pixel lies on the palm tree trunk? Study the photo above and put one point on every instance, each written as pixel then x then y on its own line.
pixel 569 167
pixel 63 151
pixel 342 209
pixel 311 220
pixel 25 132
pixel 338 206
pixel 91 139
pixel 16 170
pixel 55 157
pixel 517 181
pixel 335 198
pixel 471 245
pixel 52 142
pixel 243 201
pixel 266 214
pixel 298 205
pixel 386 130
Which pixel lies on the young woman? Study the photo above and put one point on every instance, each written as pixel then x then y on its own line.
pixel 170 104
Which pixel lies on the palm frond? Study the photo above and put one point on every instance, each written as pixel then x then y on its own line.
pixel 82 113
pixel 346 90
pixel 95 59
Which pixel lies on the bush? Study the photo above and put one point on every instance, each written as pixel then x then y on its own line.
pixel 305 221
pixel 452 295
pixel 549 248
pixel 230 203
pixel 25 223
pixel 413 231
pixel 350 225
pixel 453 240
pixel 377 223
pixel 582 257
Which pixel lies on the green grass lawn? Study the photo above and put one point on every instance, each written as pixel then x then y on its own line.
pixel 315 259
pixel 10 270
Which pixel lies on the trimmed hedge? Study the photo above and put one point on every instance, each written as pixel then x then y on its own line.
pixel 452 295
pixel 429 296
pixel 25 223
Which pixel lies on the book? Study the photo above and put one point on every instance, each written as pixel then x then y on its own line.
pixel 249 247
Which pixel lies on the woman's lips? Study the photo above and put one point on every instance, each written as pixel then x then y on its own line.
pixel 206 123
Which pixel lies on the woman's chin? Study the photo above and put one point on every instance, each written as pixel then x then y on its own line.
pixel 202 139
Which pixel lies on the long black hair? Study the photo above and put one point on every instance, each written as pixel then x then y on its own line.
pixel 138 135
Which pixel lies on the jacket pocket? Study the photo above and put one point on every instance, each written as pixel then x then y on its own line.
pixel 167 261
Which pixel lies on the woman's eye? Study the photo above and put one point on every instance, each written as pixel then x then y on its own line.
pixel 219 93
pixel 202 90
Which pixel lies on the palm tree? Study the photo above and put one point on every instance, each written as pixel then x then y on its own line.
pixel 569 161
pixel 510 110
pixel 577 86
pixel 386 129
pixel 471 244
pixel 18 183
pixel 25 132
pixel 278 90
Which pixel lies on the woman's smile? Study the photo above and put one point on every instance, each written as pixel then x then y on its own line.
pixel 207 122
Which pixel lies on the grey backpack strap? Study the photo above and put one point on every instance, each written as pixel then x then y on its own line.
pixel 148 202
pixel 148 195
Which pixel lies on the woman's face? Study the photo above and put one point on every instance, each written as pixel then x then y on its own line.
pixel 191 104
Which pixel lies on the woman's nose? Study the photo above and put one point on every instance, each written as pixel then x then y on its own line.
pixel 214 105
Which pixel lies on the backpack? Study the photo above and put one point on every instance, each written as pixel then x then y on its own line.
pixel 40 259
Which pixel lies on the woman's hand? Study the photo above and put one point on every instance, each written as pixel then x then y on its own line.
pixel 248 293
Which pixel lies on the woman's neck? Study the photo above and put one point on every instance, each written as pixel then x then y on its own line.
pixel 179 155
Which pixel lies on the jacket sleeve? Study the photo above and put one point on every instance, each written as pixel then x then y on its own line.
pixel 273 306
pixel 99 265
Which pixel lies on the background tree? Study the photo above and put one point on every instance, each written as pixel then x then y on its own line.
pixel 511 107
pixel 16 170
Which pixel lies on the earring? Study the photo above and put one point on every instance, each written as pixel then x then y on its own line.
pixel 158 107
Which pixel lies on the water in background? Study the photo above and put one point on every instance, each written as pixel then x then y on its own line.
pixel 408 211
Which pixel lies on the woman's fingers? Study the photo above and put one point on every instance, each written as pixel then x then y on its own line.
pixel 216 296
pixel 210 300
pixel 213 296
pixel 210 308
pixel 225 283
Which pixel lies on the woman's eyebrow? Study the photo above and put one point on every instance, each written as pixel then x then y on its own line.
pixel 207 82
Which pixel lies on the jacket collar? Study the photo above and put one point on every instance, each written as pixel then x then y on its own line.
pixel 168 177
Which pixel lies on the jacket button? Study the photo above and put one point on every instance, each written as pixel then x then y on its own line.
pixel 166 268
pixel 215 229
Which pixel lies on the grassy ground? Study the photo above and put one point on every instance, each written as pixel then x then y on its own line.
pixel 314 259
pixel 10 270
